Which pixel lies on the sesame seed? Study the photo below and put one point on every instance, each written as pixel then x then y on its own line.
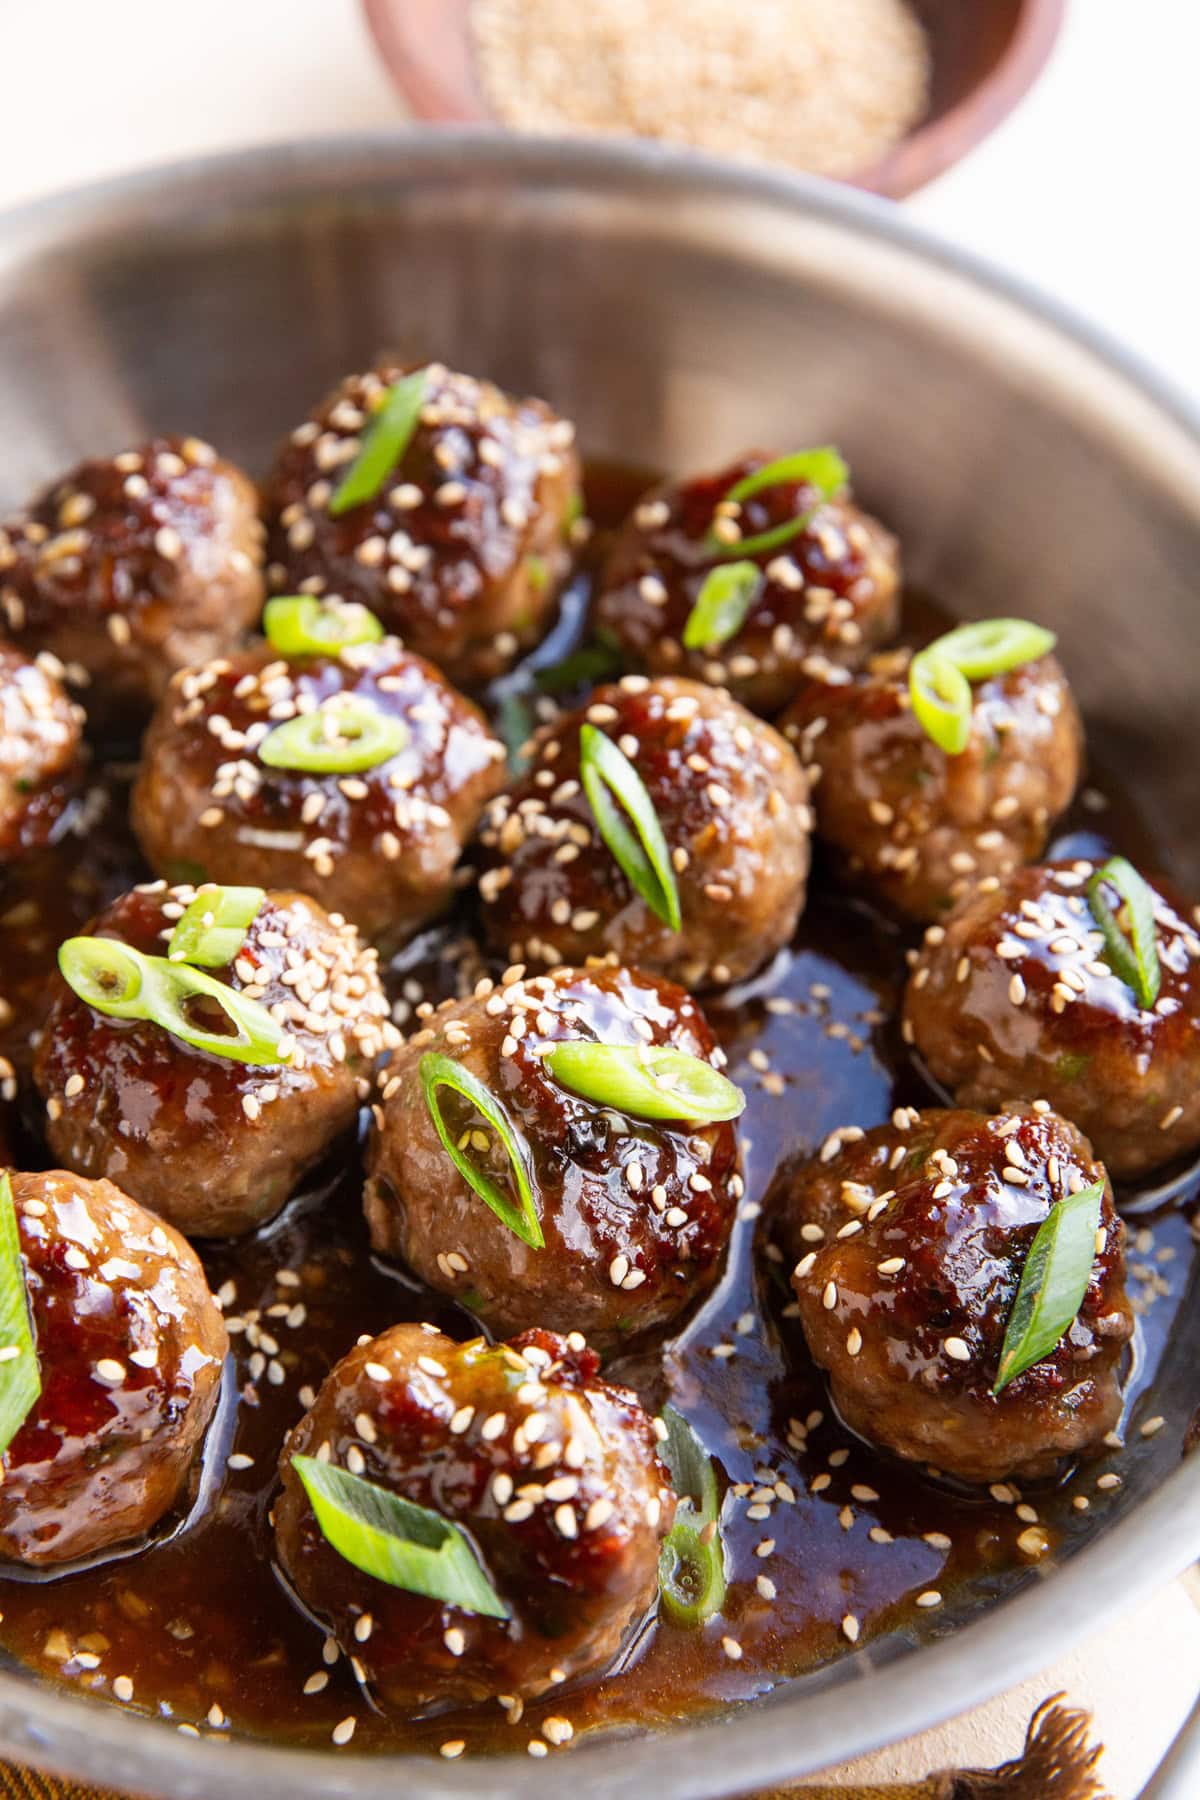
pixel 956 1349
pixel 343 1731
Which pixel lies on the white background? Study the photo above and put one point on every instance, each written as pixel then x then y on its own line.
pixel 1088 191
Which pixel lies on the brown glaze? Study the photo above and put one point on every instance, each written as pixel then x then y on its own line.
pixel 553 1473
pixel 636 1213
pixel 40 757
pixel 908 1243
pixel 216 1146
pixel 130 1348
pixel 463 550
pixel 921 827
pixel 133 566
pixel 378 845
pixel 1013 995
pixel 834 589
pixel 732 804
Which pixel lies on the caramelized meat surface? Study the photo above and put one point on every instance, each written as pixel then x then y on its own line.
pixel 463 549
pixel 908 1244
pixel 216 1146
pixel 833 588
pixel 921 827
pixel 553 1475
pixel 130 1347
pixel 40 761
pixel 636 1213
pixel 1014 993
pixel 732 804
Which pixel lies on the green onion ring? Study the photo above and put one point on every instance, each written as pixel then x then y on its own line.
pixel 642 853
pixel 720 608
pixel 20 1378
pixel 213 927
pixel 1054 1281
pixel 302 625
pixel 823 469
pixel 383 444
pixel 691 1563
pixel 989 647
pixel 439 1071
pixel 941 701
pixel 342 737
pixel 647 1081
pixel 1133 959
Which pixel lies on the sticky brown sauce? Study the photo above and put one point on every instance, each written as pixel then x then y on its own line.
pixel 826 1540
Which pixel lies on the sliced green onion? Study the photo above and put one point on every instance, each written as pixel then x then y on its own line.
pixel 20 1380
pixel 720 608
pixel 822 469
pixel 442 1071
pixel 642 853
pixel 990 647
pixel 384 443
pixel 114 978
pixel 342 737
pixel 1133 959
pixel 583 667
pixel 395 1540
pixel 647 1081
pixel 941 700
pixel 302 625
pixel 691 1563
pixel 1053 1283
pixel 213 928
pixel 537 572
pixel 516 725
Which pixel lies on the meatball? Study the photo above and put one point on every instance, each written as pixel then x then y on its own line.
pixel 922 826
pixel 832 589
pixel 130 1346
pixel 133 566
pixel 635 1213
pixel 910 1241
pixel 40 762
pixel 463 549
pixel 379 844
pixel 1013 993
pixel 215 1145
pixel 552 1474
pixel 733 806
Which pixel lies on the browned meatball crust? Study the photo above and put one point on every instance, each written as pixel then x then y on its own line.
pixel 636 1213
pixel 909 1242
pixel 379 845
pixel 1013 992
pixel 130 1346
pixel 40 761
pixel 216 1146
pixel 553 1475
pixel 463 550
pixel 133 566
pixel 922 827
pixel 733 806
pixel 833 589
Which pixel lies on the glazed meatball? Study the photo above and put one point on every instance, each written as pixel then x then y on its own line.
pixel 215 1145
pixel 133 566
pixel 909 1242
pixel 733 806
pixel 464 547
pixel 920 826
pixel 552 1474
pixel 379 844
pixel 40 762
pixel 1014 992
pixel 635 1213
pixel 833 589
pixel 130 1346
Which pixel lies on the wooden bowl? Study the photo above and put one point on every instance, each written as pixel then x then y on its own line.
pixel 986 55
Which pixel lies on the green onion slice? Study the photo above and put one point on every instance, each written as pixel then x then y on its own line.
pixel 691 1563
pixel 720 608
pixel 114 978
pixel 522 1218
pixel 1133 959
pixel 647 1081
pixel 395 1540
pixel 20 1381
pixel 589 664
pixel 642 853
pixel 823 469
pixel 384 443
pixel 213 928
pixel 941 700
pixel 1053 1283
pixel 302 625
pixel 342 737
